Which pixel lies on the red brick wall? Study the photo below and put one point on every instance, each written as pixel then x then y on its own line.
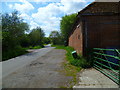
pixel 75 40
pixel 102 32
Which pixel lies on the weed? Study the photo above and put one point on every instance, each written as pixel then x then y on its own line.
pixel 62 87
pixel 17 51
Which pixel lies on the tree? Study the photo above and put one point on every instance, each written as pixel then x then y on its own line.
pixel 55 37
pixel 36 37
pixel 66 26
pixel 13 28
pixel 46 40
pixel 25 40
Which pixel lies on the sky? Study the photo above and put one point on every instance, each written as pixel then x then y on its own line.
pixel 44 13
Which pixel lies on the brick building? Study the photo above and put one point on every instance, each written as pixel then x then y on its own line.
pixel 97 26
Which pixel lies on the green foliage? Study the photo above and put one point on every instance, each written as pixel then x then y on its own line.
pixel 11 53
pixel 35 47
pixel 56 38
pixel 12 30
pixel 14 39
pixel 69 69
pixel 46 40
pixel 62 87
pixel 24 40
pixel 79 61
pixel 58 46
pixel 36 37
pixel 66 25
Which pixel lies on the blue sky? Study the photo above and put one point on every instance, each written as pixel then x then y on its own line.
pixel 44 13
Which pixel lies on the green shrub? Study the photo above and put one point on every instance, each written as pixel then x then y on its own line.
pixel 37 47
pixel 18 50
pixel 79 62
pixel 58 46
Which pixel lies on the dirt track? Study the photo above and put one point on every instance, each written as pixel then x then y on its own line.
pixel 41 73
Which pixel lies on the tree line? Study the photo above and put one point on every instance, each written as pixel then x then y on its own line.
pixel 15 40
pixel 66 24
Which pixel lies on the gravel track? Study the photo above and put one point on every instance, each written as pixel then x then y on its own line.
pixel 40 73
pixel 13 64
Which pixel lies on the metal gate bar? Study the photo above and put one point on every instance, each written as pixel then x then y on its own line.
pixel 107 61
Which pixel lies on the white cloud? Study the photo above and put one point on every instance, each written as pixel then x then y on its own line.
pixel 48 17
pixel 72 6
pixel 50 25
pixel 33 25
pixel 24 7
pixel 43 0
pixel 25 16
pixel 48 28
pixel 58 0
pixel 45 13
pixel 10 6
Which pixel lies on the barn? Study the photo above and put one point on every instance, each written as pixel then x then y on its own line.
pixel 96 26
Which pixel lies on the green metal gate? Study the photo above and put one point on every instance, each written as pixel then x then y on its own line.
pixel 107 61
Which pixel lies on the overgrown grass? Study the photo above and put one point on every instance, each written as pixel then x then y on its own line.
pixel 72 66
pixel 70 71
pixel 58 46
pixel 35 47
pixel 62 87
pixel 17 51
pixel 78 62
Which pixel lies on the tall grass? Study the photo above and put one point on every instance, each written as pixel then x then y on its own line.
pixel 80 61
pixel 18 50
pixel 35 47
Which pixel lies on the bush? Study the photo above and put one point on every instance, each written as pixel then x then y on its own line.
pixel 35 47
pixel 79 61
pixel 18 50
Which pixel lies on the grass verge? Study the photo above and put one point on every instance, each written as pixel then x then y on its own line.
pixel 80 61
pixel 70 69
pixel 17 51
pixel 72 66
pixel 34 47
